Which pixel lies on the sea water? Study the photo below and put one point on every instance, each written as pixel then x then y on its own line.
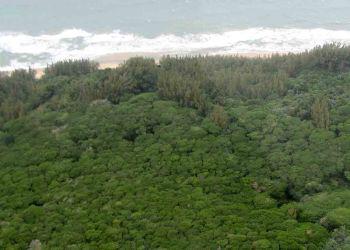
pixel 36 32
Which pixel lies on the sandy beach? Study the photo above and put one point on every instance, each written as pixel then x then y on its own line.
pixel 116 59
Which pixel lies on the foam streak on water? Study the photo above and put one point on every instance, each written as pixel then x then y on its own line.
pixel 18 50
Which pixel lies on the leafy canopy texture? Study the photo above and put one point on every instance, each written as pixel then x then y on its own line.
pixel 190 153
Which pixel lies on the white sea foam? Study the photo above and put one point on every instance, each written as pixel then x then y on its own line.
pixel 36 51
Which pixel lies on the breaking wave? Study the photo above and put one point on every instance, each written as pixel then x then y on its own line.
pixel 19 50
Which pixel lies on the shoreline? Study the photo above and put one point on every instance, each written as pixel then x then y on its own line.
pixel 114 60
pixel 118 58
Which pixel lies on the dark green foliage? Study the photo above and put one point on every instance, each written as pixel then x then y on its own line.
pixel 332 57
pixel 71 68
pixel 183 80
pixel 340 240
pixel 8 139
pixel 194 153
pixel 15 93
pixel 219 116
pixel 139 75
pixel 320 113
pixel 338 217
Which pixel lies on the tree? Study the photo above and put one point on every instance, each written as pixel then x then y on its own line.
pixel 139 75
pixel 219 116
pixel 339 217
pixel 320 113
pixel 71 68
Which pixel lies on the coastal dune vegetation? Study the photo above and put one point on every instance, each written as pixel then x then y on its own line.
pixel 204 152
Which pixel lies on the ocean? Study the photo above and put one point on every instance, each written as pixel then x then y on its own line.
pixel 37 32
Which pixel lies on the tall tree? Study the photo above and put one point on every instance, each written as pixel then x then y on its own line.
pixel 320 113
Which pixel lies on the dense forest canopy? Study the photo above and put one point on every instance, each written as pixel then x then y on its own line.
pixel 191 153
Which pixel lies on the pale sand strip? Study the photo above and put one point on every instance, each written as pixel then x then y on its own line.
pixel 116 59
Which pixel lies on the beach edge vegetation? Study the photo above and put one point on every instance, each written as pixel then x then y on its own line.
pixel 205 152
